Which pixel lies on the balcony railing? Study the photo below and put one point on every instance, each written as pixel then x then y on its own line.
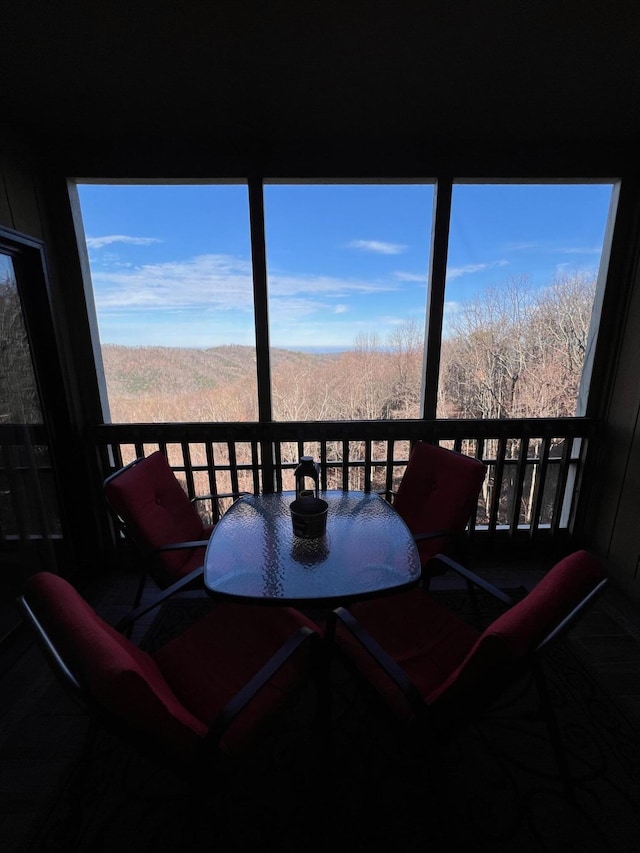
pixel 535 467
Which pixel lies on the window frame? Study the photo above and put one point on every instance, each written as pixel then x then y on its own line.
pixel 438 258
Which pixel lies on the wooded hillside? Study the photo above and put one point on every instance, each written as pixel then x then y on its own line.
pixel 515 352
pixel 172 383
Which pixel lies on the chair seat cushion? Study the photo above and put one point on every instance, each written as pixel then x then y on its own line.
pixel 209 663
pixel 506 644
pixel 426 639
pixel 456 669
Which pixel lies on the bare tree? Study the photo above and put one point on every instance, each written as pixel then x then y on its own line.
pixel 561 324
pixel 362 380
pixel 19 398
pixel 517 351
pixel 406 346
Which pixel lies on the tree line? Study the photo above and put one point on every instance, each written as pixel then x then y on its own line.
pixel 516 351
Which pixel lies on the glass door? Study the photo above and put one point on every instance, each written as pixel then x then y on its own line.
pixel 29 506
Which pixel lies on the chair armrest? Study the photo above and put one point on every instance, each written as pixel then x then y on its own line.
pixel 60 668
pixel 569 618
pixel 378 654
pixel 134 615
pixel 473 578
pixel 219 495
pixel 255 684
pixel 178 546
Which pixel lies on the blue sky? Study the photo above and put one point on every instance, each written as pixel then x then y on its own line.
pixel 171 265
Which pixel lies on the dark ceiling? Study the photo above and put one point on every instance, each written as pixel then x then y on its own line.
pixel 314 77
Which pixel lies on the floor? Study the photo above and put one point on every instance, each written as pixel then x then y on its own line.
pixel 39 739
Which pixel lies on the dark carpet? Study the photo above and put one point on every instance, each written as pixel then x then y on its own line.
pixel 500 792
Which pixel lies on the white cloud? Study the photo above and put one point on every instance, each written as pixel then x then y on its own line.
pixel 456 272
pixel 101 242
pixel 341 309
pixel 206 281
pixel 411 276
pixel 288 285
pixel 378 247
pixel 220 282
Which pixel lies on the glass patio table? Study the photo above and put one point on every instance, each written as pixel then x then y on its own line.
pixel 254 556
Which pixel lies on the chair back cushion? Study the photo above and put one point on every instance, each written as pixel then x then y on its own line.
pixel 438 491
pixel 156 511
pixel 121 680
pixel 516 634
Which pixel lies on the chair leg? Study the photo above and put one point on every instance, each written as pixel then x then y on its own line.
pixel 128 629
pixel 554 731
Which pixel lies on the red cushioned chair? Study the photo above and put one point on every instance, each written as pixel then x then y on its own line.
pixel 438 672
pixel 207 693
pixel 437 497
pixel 154 511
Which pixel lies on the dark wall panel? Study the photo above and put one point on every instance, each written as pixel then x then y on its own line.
pixel 19 208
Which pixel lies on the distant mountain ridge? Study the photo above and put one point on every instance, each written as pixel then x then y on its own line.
pixel 138 371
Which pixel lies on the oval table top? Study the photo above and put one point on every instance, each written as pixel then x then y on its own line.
pixel 253 554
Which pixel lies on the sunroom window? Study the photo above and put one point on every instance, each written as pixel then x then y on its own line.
pixel 340 298
pixel 347 271
pixel 523 268
pixel 172 286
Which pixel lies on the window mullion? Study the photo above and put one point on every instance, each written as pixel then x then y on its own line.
pixel 261 311
pixel 435 295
